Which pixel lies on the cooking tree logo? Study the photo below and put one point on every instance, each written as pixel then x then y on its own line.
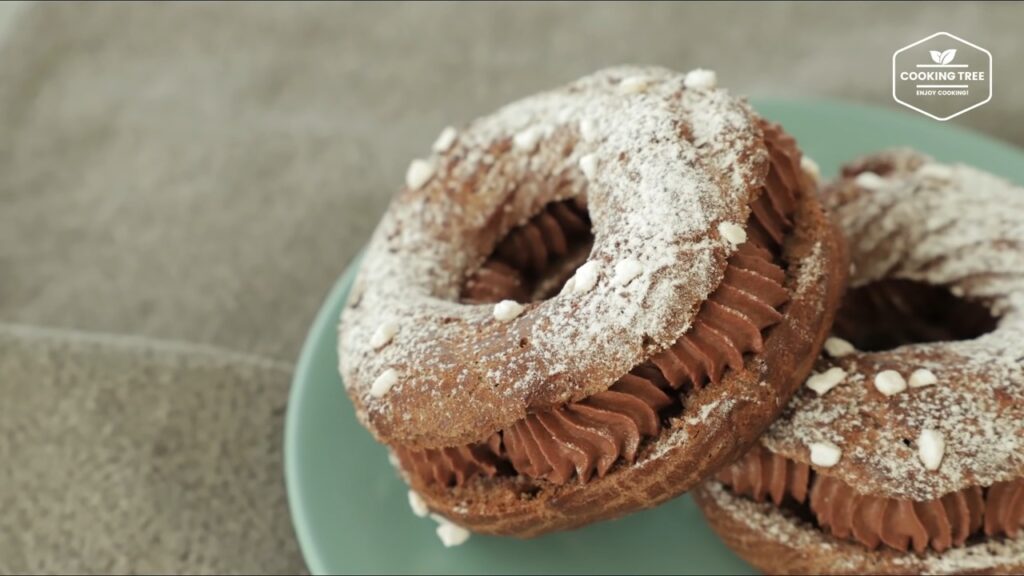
pixel 943 57
pixel 942 76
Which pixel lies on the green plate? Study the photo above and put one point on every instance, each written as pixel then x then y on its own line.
pixel 350 509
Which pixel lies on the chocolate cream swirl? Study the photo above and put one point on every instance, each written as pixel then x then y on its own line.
pixel 586 438
pixel 876 521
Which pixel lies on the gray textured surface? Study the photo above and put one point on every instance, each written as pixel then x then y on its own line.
pixel 202 173
pixel 124 455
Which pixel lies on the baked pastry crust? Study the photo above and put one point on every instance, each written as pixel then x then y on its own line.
pixel 776 542
pixel 908 219
pixel 657 198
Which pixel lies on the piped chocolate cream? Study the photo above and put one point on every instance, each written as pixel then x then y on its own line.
pixel 876 521
pixel 585 439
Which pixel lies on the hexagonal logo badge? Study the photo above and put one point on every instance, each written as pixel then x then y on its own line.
pixel 942 76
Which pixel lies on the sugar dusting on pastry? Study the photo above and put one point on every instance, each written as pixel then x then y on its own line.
pixel 421 250
pixel 946 226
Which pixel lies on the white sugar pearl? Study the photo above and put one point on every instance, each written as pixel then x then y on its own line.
pixel 527 139
pixel 419 507
pixel 634 84
pixel 822 382
pixel 588 129
pixel 922 377
pixel 419 173
pixel 507 310
pixel 451 534
pixel 445 140
pixel 626 270
pixel 384 383
pixel 810 167
pixel 890 382
pixel 734 234
pixel 700 79
pixel 936 172
pixel 383 334
pixel 585 277
pixel 588 164
pixel 837 347
pixel 825 454
pixel 931 447
pixel 869 180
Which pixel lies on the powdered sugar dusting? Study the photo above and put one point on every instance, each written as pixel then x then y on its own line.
pixel 966 232
pixel 653 198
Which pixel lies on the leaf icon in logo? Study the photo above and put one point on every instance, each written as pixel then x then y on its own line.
pixel 948 56
pixel 936 56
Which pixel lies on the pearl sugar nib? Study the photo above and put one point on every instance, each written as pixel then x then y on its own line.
pixel 923 377
pixel 734 234
pixel 825 454
pixel 418 506
pixel 837 347
pixel 383 334
pixel 822 382
pixel 383 384
pixel 931 447
pixel 700 79
pixel 451 534
pixel 626 270
pixel 445 140
pixel 507 310
pixel 890 382
pixel 419 173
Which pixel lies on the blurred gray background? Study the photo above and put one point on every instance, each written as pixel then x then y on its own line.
pixel 181 184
